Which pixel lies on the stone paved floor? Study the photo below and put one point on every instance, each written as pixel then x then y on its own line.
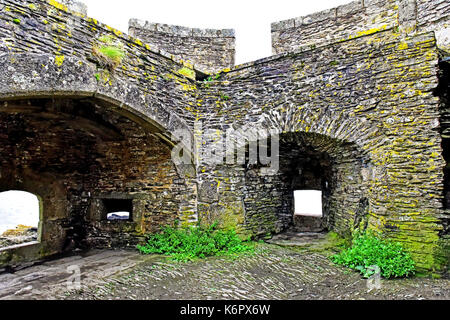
pixel 49 279
pixel 274 272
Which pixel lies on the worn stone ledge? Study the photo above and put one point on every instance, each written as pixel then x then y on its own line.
pixel 20 245
pixel 308 48
pixel 181 31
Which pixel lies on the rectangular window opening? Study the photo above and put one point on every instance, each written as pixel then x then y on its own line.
pixel 308 203
pixel 118 209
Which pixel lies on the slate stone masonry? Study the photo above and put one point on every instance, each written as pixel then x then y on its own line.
pixel 209 50
pixel 358 96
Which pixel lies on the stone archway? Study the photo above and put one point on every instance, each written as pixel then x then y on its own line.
pixel 308 161
pixel 20 216
pixel 52 214
pixel 38 76
pixel 78 153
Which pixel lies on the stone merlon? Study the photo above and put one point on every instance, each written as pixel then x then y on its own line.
pixel 209 50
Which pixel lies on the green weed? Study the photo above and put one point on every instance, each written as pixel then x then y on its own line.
pixel 189 243
pixel 370 250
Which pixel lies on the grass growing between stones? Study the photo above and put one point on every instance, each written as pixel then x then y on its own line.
pixel 109 51
pixel 112 56
pixel 369 250
pixel 190 243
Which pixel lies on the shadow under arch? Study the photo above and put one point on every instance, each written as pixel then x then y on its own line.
pixel 307 161
pixel 33 76
pixel 78 151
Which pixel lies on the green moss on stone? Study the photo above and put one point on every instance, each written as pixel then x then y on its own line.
pixel 187 72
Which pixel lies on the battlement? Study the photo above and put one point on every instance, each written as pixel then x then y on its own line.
pixel 363 17
pixel 209 50
pixel 334 24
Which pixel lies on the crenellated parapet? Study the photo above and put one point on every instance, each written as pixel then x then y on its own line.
pixel 209 50
pixel 363 17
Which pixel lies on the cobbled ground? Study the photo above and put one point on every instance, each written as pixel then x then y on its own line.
pixel 272 272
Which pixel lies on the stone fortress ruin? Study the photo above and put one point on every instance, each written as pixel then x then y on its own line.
pixel 357 97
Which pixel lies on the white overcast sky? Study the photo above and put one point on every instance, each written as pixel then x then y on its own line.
pixel 250 18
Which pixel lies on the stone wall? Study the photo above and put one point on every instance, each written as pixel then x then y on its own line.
pixel 366 109
pixel 340 23
pixel 209 50
pixel 122 150
pixel 435 15
pixel 50 29
pixel 371 105
pixel 363 17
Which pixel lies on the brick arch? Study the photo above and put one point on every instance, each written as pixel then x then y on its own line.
pixel 163 194
pixel 341 125
pixel 41 75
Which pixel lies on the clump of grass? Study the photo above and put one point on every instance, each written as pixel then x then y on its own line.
pixel 189 243
pixel 208 80
pixel 111 56
pixel 109 52
pixel 369 250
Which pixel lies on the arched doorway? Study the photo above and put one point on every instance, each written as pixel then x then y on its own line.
pixel 20 213
pixel 330 168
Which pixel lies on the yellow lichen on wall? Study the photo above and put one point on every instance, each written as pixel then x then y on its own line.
pixel 58 5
